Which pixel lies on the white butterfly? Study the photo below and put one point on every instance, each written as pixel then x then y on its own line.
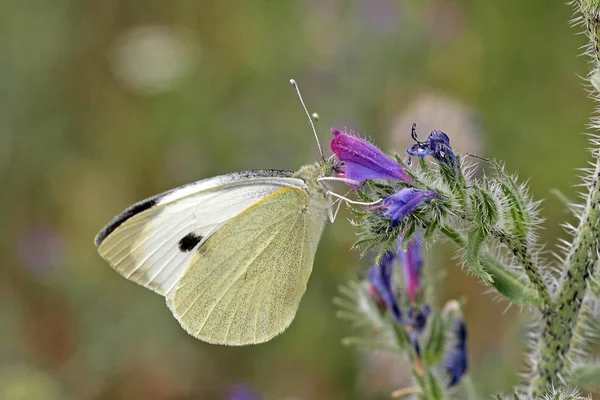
pixel 231 254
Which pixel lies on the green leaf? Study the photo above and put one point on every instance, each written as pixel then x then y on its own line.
pixel 431 230
pixel 362 196
pixel 475 244
pixel 435 346
pixel 410 231
pixel 508 283
pixel 345 304
pixel 351 316
pixel 435 389
pixel 401 336
pixel 424 168
pixel 486 208
pixel 514 213
pixel 448 175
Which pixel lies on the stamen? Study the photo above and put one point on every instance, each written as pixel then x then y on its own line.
pixel 413 133
pixel 347 200
pixel 479 157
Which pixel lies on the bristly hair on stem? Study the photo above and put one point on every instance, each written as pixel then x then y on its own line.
pixel 554 361
pixel 493 221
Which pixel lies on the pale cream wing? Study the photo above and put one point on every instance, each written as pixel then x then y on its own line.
pixel 153 241
pixel 244 284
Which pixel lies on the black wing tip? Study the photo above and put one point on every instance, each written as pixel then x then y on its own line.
pixel 124 216
pixel 99 238
pixel 152 201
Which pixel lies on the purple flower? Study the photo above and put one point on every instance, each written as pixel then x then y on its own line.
pixel 402 203
pixel 363 161
pixel 416 325
pixel 412 263
pixel 456 357
pixel 437 144
pixel 380 280
pixel 241 392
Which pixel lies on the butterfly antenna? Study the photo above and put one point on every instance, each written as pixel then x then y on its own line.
pixel 310 119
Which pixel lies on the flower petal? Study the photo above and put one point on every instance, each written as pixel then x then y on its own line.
pixel 363 161
pixel 438 145
pixel 412 264
pixel 456 358
pixel 380 277
pixel 402 203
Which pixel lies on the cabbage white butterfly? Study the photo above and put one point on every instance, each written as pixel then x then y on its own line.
pixel 231 254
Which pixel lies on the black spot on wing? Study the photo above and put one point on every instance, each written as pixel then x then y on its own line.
pixel 189 241
pixel 125 215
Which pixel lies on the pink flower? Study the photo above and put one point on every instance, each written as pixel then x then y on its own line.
pixel 412 263
pixel 363 161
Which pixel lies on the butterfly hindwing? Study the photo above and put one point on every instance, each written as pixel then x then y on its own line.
pixel 153 241
pixel 244 284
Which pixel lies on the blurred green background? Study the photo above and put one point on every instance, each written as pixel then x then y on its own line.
pixel 103 103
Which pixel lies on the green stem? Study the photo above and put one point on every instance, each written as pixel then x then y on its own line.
pixel 505 282
pixel 578 341
pixel 557 335
pixel 560 322
pixel 523 254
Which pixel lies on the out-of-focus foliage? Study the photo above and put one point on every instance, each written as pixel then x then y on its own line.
pixel 103 103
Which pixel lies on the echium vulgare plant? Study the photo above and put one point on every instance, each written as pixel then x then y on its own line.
pixel 410 201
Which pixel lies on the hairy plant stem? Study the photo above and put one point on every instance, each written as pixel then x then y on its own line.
pixel 579 341
pixel 557 335
pixel 516 291
pixel 560 322
pixel 523 254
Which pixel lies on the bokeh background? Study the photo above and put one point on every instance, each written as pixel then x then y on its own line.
pixel 103 103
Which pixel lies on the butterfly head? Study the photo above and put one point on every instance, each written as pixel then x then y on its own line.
pixel 311 173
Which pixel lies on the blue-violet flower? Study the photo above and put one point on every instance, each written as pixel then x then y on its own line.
pixel 437 144
pixel 402 203
pixel 363 161
pixel 380 280
pixel 416 325
pixel 412 264
pixel 456 358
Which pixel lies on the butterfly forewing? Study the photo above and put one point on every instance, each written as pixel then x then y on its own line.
pixel 245 282
pixel 152 242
